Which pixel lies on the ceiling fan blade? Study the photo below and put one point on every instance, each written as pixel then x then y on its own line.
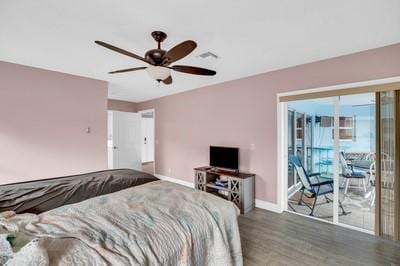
pixel 194 70
pixel 168 80
pixel 179 51
pixel 127 70
pixel 121 51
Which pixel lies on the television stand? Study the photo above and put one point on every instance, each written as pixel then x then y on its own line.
pixel 239 186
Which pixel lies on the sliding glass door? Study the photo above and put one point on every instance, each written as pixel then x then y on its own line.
pixel 331 150
pixel 344 157
pixel 356 140
pixel 310 151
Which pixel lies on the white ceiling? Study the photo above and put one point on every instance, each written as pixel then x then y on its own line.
pixel 250 37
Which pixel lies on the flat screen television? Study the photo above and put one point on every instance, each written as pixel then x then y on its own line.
pixel 224 157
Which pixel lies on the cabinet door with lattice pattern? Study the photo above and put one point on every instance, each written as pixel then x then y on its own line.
pixel 201 180
pixel 235 191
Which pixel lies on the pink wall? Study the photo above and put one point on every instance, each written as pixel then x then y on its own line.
pixel 44 116
pixel 122 106
pixel 243 112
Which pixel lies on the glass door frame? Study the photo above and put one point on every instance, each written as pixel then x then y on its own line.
pixel 294 143
pixel 335 165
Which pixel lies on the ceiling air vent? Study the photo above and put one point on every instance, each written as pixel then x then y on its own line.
pixel 208 55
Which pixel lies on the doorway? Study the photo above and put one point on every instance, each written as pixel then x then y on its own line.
pixel 124 140
pixel 312 142
pixel 365 177
pixel 131 140
pixel 147 124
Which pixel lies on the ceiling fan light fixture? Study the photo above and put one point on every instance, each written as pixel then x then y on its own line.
pixel 160 60
pixel 158 73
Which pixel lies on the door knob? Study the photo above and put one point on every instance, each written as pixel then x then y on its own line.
pixel 115 147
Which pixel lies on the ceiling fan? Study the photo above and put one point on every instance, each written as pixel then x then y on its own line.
pixel 160 60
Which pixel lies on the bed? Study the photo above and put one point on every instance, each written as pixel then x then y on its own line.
pixel 122 217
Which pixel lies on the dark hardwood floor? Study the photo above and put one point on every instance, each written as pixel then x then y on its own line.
pixel 287 239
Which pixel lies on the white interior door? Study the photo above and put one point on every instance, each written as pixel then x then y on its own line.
pixel 110 150
pixel 147 140
pixel 124 140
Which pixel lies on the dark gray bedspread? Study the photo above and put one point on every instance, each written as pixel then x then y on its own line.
pixel 43 195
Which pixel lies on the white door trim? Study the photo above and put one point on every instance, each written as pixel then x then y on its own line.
pixel 341 86
pixel 282 170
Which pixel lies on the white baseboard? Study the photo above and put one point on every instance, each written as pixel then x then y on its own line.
pixel 259 203
pixel 175 180
pixel 266 205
